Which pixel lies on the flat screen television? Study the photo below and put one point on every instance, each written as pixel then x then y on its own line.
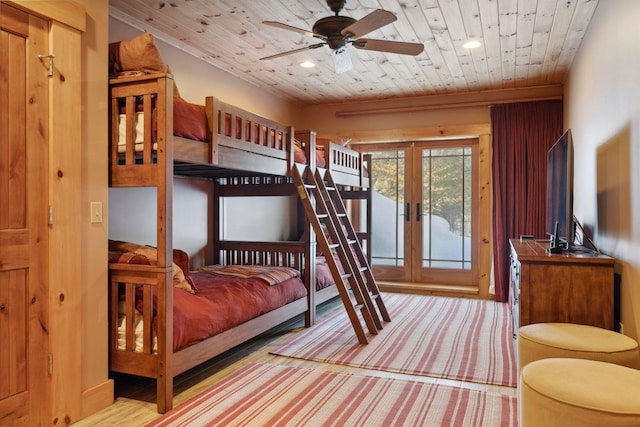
pixel 559 208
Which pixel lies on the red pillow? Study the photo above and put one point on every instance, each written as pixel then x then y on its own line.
pixel 189 120
pixel 133 253
pixel 320 160
pixel 139 53
pixel 181 258
pixel 298 154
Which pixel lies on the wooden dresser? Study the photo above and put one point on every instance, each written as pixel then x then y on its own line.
pixel 572 287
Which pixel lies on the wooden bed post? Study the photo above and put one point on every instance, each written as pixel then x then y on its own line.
pixel 308 138
pixel 290 141
pixel 366 162
pixel 310 276
pixel 217 232
pixel 212 108
pixel 165 245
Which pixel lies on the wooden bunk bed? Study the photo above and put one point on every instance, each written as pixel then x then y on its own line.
pixel 348 169
pixel 144 152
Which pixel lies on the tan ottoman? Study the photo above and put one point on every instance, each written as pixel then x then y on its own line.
pixel 577 392
pixel 544 340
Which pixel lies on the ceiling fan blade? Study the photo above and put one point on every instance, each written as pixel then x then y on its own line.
pixel 294 29
pixel 376 19
pixel 278 55
pixel 402 48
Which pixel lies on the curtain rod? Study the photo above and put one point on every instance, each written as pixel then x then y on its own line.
pixel 414 108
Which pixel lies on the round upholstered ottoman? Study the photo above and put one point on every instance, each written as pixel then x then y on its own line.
pixel 577 392
pixel 544 340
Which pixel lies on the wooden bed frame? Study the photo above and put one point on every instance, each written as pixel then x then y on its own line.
pixel 238 143
pixel 164 364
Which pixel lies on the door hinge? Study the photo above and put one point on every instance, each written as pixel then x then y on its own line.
pixel 50 367
pixel 47 60
pixel 50 215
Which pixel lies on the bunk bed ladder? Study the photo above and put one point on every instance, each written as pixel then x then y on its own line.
pixel 332 238
pixel 349 238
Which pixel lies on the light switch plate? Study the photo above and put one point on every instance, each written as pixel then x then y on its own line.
pixel 96 212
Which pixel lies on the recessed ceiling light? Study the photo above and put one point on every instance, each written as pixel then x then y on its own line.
pixel 472 44
pixel 307 64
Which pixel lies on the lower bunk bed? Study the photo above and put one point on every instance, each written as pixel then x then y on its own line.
pixel 166 320
pixel 317 274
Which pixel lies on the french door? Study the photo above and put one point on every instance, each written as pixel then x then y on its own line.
pixel 424 214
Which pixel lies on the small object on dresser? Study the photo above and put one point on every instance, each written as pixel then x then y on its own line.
pixel 555 245
pixel 526 237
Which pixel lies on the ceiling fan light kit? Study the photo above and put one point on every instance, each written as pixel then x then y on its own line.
pixel 341 60
pixel 338 32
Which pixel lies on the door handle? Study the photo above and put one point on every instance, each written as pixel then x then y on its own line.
pixel 418 212
pixel 407 213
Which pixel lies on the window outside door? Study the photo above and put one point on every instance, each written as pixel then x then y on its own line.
pixel 424 212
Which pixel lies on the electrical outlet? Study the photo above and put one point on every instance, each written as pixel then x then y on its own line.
pixel 96 212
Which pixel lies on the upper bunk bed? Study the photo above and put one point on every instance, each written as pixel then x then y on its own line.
pixel 151 128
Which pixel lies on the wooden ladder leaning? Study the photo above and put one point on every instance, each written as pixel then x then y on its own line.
pixel 335 234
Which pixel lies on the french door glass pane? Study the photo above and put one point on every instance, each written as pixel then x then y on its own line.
pixel 388 169
pixel 446 208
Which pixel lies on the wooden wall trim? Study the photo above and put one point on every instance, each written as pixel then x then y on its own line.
pixel 66 12
pixel 429 107
pixel 449 101
pixel 15 21
pixel 485 235
pixel 417 134
pixel 65 190
pixel 97 398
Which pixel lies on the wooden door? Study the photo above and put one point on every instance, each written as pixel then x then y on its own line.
pixel 425 212
pixel 23 219
pixel 445 214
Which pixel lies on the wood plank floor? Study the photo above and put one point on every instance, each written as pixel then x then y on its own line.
pixel 135 397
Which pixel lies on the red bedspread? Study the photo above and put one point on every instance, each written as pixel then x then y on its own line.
pixel 223 302
pixel 324 279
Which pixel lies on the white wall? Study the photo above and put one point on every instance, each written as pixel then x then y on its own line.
pixel 602 108
pixel 133 217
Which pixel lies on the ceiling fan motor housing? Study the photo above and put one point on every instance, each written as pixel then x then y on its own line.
pixel 331 27
pixel 336 6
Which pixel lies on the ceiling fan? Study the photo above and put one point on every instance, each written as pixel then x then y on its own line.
pixel 338 32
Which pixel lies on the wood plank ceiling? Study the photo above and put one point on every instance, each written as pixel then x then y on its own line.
pixel 525 43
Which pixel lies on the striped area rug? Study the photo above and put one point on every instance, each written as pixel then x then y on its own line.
pixel 454 338
pixel 275 395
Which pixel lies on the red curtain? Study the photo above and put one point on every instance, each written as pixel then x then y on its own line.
pixel 521 135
